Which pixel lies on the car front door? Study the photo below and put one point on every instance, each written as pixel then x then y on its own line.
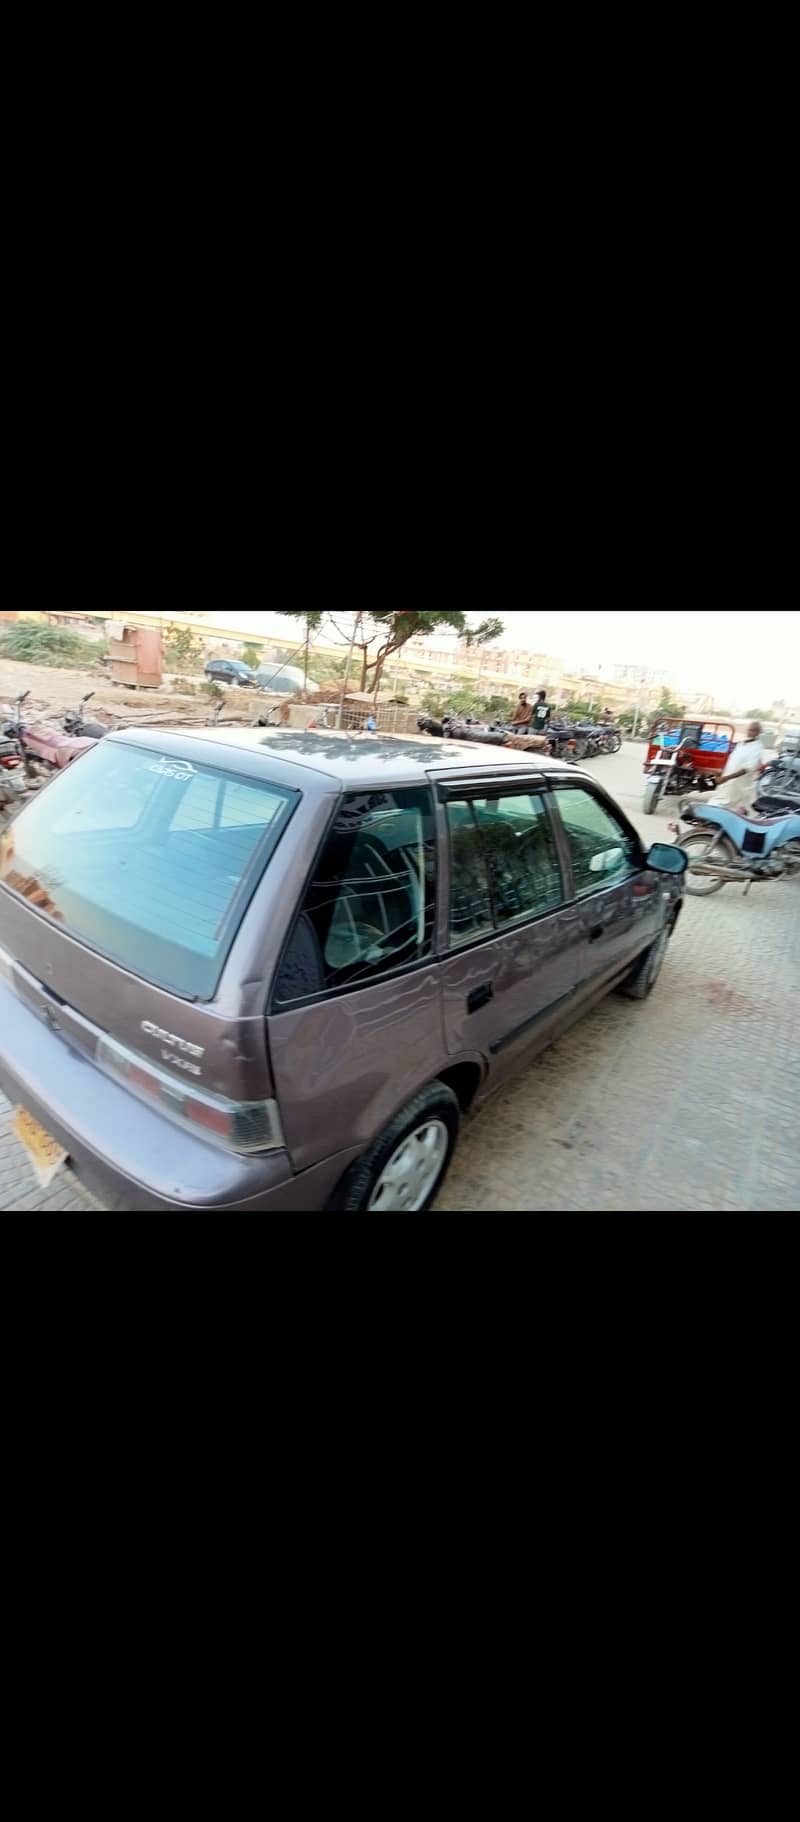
pixel 509 938
pixel 618 900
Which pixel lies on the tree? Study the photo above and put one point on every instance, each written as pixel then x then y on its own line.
pixel 667 707
pixel 483 634
pixel 758 714
pixel 396 626
pixel 184 649
pixel 498 708
pixel 252 656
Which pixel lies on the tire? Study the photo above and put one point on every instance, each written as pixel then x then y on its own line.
pixel 642 981
pixel 615 744
pixel 580 748
pixel 652 796
pixel 696 846
pixel 435 1109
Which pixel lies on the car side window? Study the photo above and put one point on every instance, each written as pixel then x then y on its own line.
pixel 503 863
pixel 602 850
pixel 369 907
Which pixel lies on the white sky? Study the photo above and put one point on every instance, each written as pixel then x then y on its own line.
pixel 752 659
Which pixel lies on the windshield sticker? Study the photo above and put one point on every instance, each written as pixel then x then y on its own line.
pixel 171 768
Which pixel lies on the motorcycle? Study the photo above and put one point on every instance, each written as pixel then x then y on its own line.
pixel 732 847
pixel 73 722
pixel 19 776
pixel 462 727
pixel 564 742
pixel 779 786
pixel 610 737
pixel 42 741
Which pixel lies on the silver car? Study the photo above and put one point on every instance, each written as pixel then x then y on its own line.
pixel 244 969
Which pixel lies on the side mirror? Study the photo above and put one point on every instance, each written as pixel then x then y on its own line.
pixel 665 859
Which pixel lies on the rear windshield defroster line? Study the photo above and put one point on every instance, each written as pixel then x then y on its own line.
pixel 150 860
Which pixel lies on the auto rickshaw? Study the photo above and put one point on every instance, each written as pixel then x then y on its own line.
pixel 704 747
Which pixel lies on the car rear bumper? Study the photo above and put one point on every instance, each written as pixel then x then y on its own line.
pixel 129 1155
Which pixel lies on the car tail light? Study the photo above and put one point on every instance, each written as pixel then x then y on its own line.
pixel 238 1125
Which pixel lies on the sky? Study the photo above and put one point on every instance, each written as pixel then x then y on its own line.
pixel 751 659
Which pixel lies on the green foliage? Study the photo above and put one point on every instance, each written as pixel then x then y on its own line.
pixel 462 702
pixel 483 634
pixel 310 616
pixel 759 715
pixel 326 667
pixel 252 656
pixel 575 711
pixel 53 645
pixel 183 648
pixel 498 708
pixel 666 706
pixel 432 702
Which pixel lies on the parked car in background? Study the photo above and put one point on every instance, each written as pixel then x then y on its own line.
pixel 284 679
pixel 231 670
pixel 251 970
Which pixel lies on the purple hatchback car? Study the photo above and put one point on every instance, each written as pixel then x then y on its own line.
pixel 243 969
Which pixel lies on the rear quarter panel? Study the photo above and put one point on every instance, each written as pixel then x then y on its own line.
pixel 344 1066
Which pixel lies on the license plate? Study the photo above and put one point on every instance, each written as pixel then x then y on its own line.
pixel 45 1154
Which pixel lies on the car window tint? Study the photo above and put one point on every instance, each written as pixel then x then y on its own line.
pixel 601 848
pixel 370 905
pixel 470 896
pixel 503 863
pixel 198 804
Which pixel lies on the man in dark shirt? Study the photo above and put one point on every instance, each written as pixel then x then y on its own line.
pixel 541 713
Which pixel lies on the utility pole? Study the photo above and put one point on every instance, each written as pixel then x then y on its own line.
pixel 346 678
pixel 305 657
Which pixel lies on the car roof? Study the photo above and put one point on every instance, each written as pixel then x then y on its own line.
pixel 353 760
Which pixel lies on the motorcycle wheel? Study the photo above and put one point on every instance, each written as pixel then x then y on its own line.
pixel 652 795
pixel 701 885
pixel 580 748
pixel 615 743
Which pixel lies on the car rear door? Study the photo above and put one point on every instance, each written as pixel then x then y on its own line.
pixel 354 1023
pixel 508 935
pixel 616 898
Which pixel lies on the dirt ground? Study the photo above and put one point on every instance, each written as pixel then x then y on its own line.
pixel 53 690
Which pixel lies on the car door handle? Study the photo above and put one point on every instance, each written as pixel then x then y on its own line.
pixel 597 931
pixel 480 996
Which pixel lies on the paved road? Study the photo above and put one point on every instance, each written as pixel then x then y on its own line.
pixel 686 1101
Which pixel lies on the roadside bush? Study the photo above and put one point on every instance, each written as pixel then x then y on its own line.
pixel 498 708
pixel 54 645
pixel 184 648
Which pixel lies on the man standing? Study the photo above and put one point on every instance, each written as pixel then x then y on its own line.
pixel 541 714
pixel 523 712
pixel 739 784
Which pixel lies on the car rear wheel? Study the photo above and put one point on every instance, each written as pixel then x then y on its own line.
pixel 404 1167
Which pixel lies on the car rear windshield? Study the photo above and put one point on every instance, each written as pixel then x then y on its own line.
pixel 149 859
